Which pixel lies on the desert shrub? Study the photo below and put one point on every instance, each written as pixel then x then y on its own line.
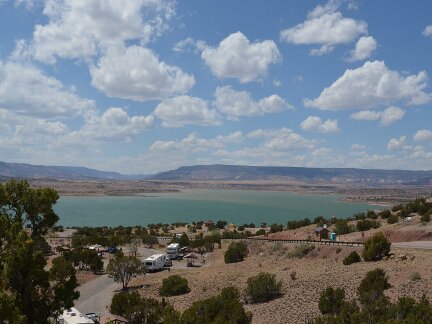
pixel 415 276
pixel 392 219
pixel 301 250
pixel 342 227
pixel 142 310
pixel 338 250
pixel 299 223
pixel 223 308
pixel 260 232
pixel 367 224
pixel 263 287
pixel 397 208
pixel 174 286
pixel 274 228
pixel 293 275
pixel 384 214
pixel 376 247
pixel 353 257
pixel 359 216
pixel 237 251
pixel 331 300
pixel 371 214
pixel 425 218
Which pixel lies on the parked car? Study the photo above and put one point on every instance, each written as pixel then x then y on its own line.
pixel 112 250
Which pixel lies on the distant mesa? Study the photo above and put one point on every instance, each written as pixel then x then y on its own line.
pixel 219 172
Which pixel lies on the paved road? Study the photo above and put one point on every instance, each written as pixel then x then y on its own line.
pixel 414 245
pixel 96 294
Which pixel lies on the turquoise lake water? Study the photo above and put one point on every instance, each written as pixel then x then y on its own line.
pixel 234 206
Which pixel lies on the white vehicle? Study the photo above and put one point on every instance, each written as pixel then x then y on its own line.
pixel 173 250
pixel 155 262
pixel 73 316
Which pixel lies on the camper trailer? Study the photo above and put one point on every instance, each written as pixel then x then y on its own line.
pixel 155 262
pixel 73 316
pixel 173 251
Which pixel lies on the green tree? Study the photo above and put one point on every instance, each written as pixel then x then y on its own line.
pixel 342 227
pixel 123 268
pixel 135 309
pixel 237 251
pixel 174 286
pixel 376 247
pixel 223 308
pixel 263 287
pixel 331 300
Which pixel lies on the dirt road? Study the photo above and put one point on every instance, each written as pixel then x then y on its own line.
pixel 96 294
pixel 427 245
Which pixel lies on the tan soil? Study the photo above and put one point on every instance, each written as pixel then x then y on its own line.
pixel 299 303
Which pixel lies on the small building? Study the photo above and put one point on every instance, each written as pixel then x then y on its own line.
pixel 322 233
pixel 73 316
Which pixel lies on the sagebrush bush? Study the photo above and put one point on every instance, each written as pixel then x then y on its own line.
pixel 392 219
pixel 174 286
pixel 301 250
pixel 263 287
pixel 425 218
pixel 376 247
pixel 415 276
pixel 237 251
pixel 367 224
pixel 353 257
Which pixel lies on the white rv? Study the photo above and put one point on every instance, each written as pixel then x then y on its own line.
pixel 155 262
pixel 173 250
pixel 73 316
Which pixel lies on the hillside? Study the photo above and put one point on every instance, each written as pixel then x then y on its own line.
pixel 21 170
pixel 238 172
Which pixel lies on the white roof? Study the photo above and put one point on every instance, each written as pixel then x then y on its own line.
pixel 73 316
pixel 154 257
pixel 173 245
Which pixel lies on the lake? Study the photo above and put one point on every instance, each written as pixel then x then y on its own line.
pixel 234 206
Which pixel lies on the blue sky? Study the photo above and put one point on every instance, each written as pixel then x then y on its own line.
pixel 143 86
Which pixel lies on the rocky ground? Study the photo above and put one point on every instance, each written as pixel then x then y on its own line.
pixel 321 268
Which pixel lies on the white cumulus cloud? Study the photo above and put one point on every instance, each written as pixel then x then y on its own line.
pixel 236 57
pixel 364 48
pixel 371 85
pixel 386 117
pixel 186 110
pixel 136 73
pixel 423 135
pixel 80 28
pixel 428 31
pixel 325 26
pixel 235 103
pixel 316 124
pixel 397 143
pixel 25 89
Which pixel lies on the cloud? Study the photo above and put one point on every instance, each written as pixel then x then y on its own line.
pixel 428 31
pixel 358 147
pixel 364 48
pixel 136 73
pixel 193 143
pixel 316 124
pixel 185 110
pixel 391 115
pixel 114 124
pixel 282 139
pixel 24 89
pixel 371 85
pixel 397 143
pixel 236 57
pixel 324 26
pixel 235 104
pixel 423 135
pixel 387 117
pixel 80 28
